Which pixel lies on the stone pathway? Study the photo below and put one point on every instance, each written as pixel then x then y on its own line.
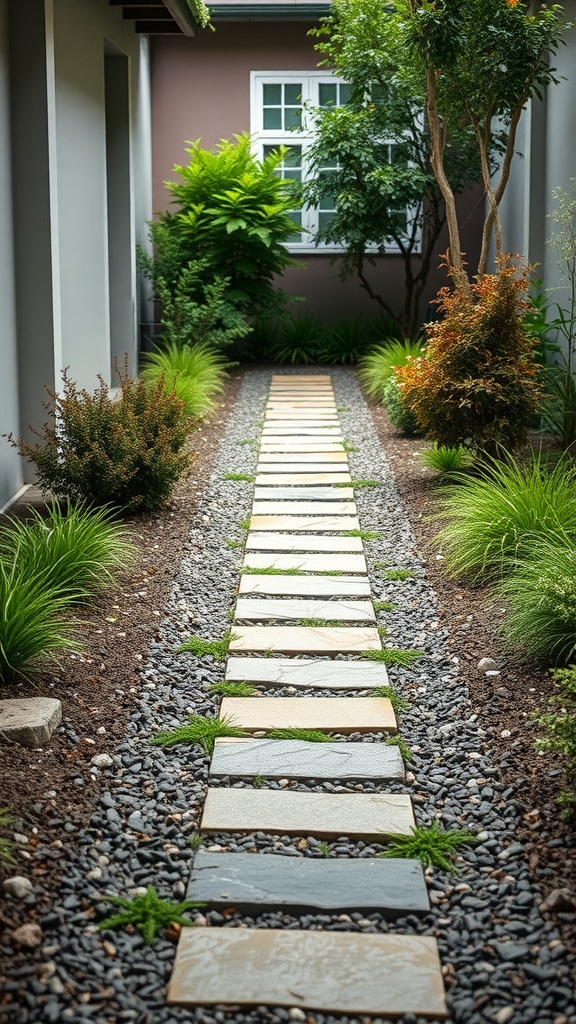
pixel 300 517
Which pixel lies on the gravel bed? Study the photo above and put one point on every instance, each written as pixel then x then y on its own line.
pixel 503 960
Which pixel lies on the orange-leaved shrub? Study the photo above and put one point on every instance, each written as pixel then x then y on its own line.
pixel 477 383
pixel 124 450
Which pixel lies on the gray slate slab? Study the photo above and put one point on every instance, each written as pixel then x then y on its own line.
pixel 308 673
pixel 29 721
pixel 255 883
pixel 298 759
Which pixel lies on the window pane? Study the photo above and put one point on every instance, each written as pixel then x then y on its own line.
pixel 324 220
pixel 293 95
pixel 272 95
pixel 272 118
pixel 345 93
pixel 293 157
pixel 292 118
pixel 327 94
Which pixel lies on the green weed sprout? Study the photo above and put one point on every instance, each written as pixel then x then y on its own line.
pixel 309 735
pixel 226 689
pixel 398 703
pixel 399 574
pixel 363 534
pixel 148 913
pixel 200 731
pixel 7 846
pixel 218 649
pixel 433 846
pixel 397 741
pixel 248 478
pixel 393 656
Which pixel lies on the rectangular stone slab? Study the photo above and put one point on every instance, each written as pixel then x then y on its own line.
pixel 311 401
pixel 328 431
pixel 262 608
pixel 317 415
pixel 301 542
pixel 331 972
pixel 283 812
pixel 313 524
pixel 309 673
pixel 303 457
pixel 307 563
pixel 309 447
pixel 306 639
pixel 304 508
pixel 301 479
pixel 303 467
pixel 305 586
pixel 335 494
pixel 297 759
pixel 328 714
pixel 302 885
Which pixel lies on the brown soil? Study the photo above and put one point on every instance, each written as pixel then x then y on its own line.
pixel 507 704
pixel 100 686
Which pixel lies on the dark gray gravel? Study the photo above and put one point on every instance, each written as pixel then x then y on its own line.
pixel 503 960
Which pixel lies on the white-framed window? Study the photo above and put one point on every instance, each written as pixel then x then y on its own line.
pixel 281 104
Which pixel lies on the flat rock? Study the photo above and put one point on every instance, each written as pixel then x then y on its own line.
pixel 307 563
pixel 282 812
pixel 305 586
pixel 313 478
pixel 304 508
pixel 287 447
pixel 306 639
pixel 330 431
pixel 262 608
pixel 302 457
pixel 316 543
pixel 305 494
pixel 29 721
pixel 305 524
pixel 312 416
pixel 298 759
pixel 332 972
pixel 329 714
pixel 319 465
pixel 307 673
pixel 254 884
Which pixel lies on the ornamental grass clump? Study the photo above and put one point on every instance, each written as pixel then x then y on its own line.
pixel 194 373
pixel 34 625
pixel 199 731
pixel 477 384
pixel 540 593
pixel 446 458
pixel 492 518
pixel 377 373
pixel 72 549
pixel 125 451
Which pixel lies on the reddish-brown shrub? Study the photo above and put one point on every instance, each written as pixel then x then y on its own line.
pixel 476 384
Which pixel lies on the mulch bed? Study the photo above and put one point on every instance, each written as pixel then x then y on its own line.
pixel 504 704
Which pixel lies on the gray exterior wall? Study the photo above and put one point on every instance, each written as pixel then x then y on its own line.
pixel 75 171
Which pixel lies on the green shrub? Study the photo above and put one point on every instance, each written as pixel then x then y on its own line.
pixel 75 550
pixel 300 341
pixel 541 595
pixel 379 365
pixel 34 626
pixel 560 727
pixel 445 459
pixel 399 415
pixel 478 384
pixel 491 518
pixel 195 373
pixel 125 451
pixel 345 343
pixel 233 214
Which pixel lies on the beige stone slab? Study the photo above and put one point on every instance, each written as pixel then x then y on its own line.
pixel 302 457
pixel 307 563
pixel 299 400
pixel 311 479
pixel 332 494
pixel 289 447
pixel 318 468
pixel 319 416
pixel 307 673
pixel 301 378
pixel 291 389
pixel 329 431
pixel 305 586
pixel 258 609
pixel 305 524
pixel 304 508
pixel 328 714
pixel 315 543
pixel 331 972
pixel 306 639
pixel 326 815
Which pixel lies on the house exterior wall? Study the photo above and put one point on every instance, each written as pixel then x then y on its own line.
pixel 201 89
pixel 79 151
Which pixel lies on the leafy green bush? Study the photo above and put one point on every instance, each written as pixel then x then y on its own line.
pixel 75 550
pixel 492 519
pixel 447 460
pixel 478 385
pixel 33 623
pixel 393 401
pixel 379 365
pixel 560 726
pixel 301 340
pixel 540 591
pixel 125 451
pixel 233 214
pixel 194 373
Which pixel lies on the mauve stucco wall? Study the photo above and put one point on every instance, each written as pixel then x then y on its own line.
pixel 201 90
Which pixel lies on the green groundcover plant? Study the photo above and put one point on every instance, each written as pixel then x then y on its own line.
pixel 447 459
pixel 149 913
pixel 7 845
pixel 199 730
pixel 194 373
pixel 432 845
pixel 559 727
pixel 491 517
